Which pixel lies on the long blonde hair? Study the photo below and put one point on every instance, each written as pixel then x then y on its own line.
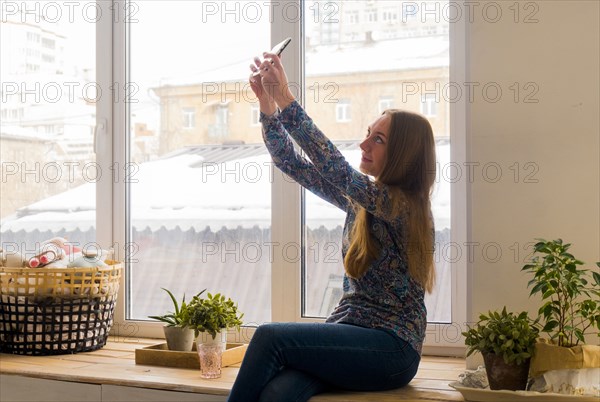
pixel 409 173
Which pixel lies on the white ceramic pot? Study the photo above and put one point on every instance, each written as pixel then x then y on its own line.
pixel 205 337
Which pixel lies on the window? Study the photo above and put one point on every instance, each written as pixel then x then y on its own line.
pixel 32 36
pixel 48 43
pixel 200 201
pixel 385 102
pixel 342 111
pixel 199 209
pixel 352 17
pixel 220 130
pixel 429 104
pixel 254 115
pixel 189 117
pixel 361 101
pixel 371 15
pixel 389 15
pixel 46 133
pixel 202 207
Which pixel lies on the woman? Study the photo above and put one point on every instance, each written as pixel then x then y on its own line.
pixel 373 339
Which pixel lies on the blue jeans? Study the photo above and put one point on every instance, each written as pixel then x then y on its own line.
pixel 290 362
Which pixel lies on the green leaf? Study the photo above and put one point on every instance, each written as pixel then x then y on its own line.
pixel 596 276
pixel 537 288
pixel 548 293
pixel 550 325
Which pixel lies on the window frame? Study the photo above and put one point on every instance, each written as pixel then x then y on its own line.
pixel 286 280
pixel 385 102
pixel 189 118
pixel 254 115
pixel 343 111
pixel 429 106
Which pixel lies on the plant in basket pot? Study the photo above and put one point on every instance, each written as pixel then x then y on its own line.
pixel 564 363
pixel 506 341
pixel 178 331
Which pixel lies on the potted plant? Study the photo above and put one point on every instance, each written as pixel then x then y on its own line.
pixel 569 311
pixel 178 333
pixel 213 315
pixel 506 342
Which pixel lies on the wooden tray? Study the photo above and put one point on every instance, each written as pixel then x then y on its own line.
pixel 160 355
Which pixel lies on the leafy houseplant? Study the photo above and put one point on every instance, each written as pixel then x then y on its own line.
pixel 213 314
pixel 178 333
pixel 570 309
pixel 506 342
pixel 571 304
pixel 177 318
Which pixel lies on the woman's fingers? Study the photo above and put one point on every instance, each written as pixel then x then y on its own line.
pixel 273 59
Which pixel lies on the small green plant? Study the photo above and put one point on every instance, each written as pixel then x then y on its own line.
pixel 505 334
pixel 571 304
pixel 178 318
pixel 213 314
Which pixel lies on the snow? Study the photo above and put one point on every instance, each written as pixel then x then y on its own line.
pixel 173 193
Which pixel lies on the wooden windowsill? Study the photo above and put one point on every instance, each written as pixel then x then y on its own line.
pixel 115 365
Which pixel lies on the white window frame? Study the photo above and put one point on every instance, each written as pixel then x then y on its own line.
pixel 286 195
pixel 343 111
pixel 389 15
pixel 371 15
pixel 254 115
pixel 385 102
pixel 429 104
pixel 353 17
pixel 189 118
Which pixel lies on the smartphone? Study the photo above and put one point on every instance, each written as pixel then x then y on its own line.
pixel 277 49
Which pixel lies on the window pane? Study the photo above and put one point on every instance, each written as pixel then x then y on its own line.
pixel 363 57
pixel 48 115
pixel 200 198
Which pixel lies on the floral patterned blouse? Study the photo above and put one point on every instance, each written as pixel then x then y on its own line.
pixel 386 296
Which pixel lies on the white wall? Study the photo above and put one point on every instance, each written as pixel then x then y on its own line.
pixel 560 135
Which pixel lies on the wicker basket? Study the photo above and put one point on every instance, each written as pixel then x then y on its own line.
pixel 50 311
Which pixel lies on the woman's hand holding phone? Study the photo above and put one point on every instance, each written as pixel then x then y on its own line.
pixel 274 80
pixel 268 78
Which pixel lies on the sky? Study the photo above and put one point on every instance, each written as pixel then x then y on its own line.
pixel 169 40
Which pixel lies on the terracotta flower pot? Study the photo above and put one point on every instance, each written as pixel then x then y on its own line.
pixel 505 376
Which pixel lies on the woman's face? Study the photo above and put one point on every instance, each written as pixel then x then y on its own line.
pixel 373 147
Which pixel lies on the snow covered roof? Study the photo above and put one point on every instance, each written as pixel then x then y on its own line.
pixel 216 186
pixel 14 132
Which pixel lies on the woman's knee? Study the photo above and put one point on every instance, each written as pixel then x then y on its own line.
pixel 266 331
pixel 275 330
